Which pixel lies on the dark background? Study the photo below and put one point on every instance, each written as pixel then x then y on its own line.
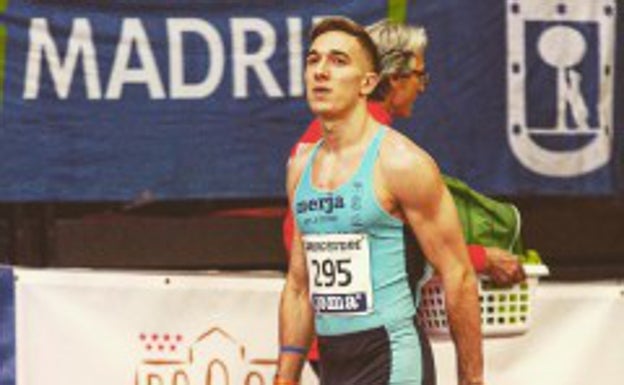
pixel 579 238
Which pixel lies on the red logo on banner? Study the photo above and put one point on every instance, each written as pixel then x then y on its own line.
pixel 214 358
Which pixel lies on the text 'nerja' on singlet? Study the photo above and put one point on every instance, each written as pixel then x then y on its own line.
pixel 354 249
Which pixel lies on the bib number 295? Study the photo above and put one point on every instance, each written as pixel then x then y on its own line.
pixel 332 272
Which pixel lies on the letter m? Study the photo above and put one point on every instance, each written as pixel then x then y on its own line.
pixel 42 46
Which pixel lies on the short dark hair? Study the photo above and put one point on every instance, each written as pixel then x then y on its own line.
pixel 350 27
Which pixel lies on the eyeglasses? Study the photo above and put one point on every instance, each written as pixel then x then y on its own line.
pixel 422 76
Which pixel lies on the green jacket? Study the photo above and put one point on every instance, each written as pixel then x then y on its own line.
pixel 486 221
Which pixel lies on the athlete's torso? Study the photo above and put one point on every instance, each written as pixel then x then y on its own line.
pixel 355 250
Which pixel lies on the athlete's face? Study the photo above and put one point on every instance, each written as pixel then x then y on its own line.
pixel 406 88
pixel 338 75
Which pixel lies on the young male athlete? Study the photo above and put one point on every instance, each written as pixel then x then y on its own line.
pixel 352 194
pixel 403 78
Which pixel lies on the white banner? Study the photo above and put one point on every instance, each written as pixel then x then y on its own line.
pixel 114 328
pixel 576 338
pixel 120 328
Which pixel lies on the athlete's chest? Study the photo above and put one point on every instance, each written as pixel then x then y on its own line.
pixel 330 171
pixel 345 209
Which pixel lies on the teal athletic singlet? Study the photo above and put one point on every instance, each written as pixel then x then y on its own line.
pixel 359 284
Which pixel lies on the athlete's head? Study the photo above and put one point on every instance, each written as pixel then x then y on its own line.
pixel 401 50
pixel 341 67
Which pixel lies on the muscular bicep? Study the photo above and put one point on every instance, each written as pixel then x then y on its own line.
pixel 297 268
pixel 429 209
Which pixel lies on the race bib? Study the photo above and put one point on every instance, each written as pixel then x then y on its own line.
pixel 339 273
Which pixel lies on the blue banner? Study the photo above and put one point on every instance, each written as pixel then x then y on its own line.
pixel 125 100
pixel 7 327
pixel 524 94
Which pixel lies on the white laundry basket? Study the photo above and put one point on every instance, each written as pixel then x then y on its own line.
pixel 504 310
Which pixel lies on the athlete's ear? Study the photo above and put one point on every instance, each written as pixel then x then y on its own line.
pixel 369 82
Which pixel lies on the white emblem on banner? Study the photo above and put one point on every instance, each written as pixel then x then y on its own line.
pixel 560 71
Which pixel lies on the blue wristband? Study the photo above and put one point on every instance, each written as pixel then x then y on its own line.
pixel 293 350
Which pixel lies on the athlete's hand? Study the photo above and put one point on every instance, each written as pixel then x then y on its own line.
pixel 503 267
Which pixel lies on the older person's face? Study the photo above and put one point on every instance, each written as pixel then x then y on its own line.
pixel 406 88
pixel 337 74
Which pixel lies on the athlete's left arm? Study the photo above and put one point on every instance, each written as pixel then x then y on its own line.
pixel 413 182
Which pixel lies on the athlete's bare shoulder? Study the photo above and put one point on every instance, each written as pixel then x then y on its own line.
pixel 398 153
pixel 407 169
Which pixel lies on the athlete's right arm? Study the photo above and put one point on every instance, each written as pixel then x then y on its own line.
pixel 295 311
pixel 311 135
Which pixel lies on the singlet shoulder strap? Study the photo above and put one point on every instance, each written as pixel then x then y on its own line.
pixel 373 150
pixel 307 171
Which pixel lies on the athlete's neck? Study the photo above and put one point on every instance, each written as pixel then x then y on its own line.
pixel 347 130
